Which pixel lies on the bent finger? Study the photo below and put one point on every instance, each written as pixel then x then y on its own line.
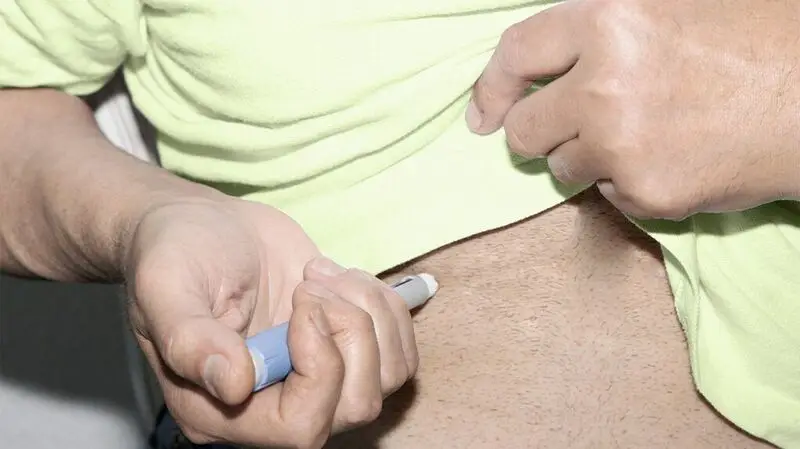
pixel 543 45
pixel 573 162
pixel 189 340
pixel 544 120
pixel 370 295
pixel 405 326
pixel 621 202
pixel 355 332
pixel 298 412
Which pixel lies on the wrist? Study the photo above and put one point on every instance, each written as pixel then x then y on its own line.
pixel 96 217
pixel 161 190
pixel 70 200
pixel 174 191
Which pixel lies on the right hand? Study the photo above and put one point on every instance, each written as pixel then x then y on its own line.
pixel 672 107
pixel 203 275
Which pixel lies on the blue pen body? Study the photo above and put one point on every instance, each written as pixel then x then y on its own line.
pixel 270 352
pixel 270 349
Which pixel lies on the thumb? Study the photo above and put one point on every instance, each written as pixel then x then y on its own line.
pixel 207 353
pixel 189 340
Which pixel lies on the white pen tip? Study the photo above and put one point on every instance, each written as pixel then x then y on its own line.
pixel 430 281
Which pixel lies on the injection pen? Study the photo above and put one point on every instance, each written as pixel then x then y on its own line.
pixel 270 351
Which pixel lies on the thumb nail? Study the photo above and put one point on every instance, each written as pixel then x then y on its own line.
pixel 213 373
pixel 474 117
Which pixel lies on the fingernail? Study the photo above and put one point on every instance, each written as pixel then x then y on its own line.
pixel 326 267
pixel 320 321
pixel 474 117
pixel 213 372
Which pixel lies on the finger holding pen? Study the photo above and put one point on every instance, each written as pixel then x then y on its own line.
pixel 385 311
pixel 388 307
pixel 328 368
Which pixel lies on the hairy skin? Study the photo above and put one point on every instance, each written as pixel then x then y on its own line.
pixel 46 230
pixel 556 332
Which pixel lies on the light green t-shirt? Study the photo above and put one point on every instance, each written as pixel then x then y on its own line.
pixel 348 116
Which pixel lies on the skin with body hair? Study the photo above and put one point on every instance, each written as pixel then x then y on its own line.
pixel 542 297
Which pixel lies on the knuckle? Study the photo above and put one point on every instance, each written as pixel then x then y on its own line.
pixel 367 293
pixel 329 361
pixel 605 90
pixel 652 197
pixel 561 169
pixel 516 136
pixel 508 53
pixel 486 94
pixel 606 14
pixel 608 96
pixel 394 378
pixel 361 322
pixel 363 412
pixel 614 118
pixel 362 276
pixel 618 143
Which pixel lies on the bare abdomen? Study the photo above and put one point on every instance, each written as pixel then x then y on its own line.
pixel 557 332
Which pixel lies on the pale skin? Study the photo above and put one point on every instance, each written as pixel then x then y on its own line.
pixel 570 309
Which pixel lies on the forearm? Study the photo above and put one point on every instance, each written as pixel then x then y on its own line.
pixel 70 201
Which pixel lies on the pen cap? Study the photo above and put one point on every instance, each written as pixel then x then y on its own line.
pixel 270 353
pixel 416 290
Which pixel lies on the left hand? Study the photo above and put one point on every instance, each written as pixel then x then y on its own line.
pixel 672 107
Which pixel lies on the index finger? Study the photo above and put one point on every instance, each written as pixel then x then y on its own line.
pixel 541 46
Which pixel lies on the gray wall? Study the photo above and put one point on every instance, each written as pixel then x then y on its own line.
pixel 68 341
pixel 65 343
